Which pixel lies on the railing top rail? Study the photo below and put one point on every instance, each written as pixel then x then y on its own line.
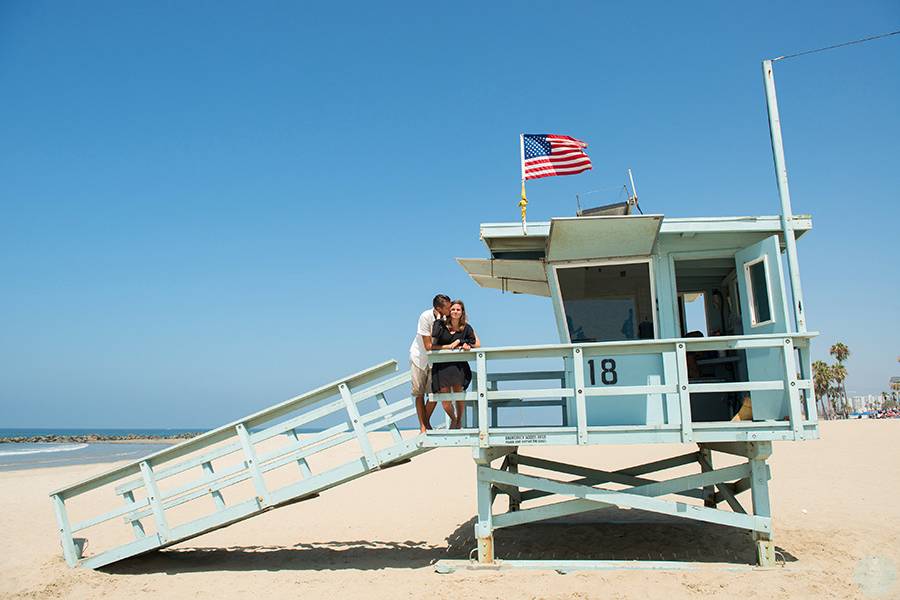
pixel 227 431
pixel 551 350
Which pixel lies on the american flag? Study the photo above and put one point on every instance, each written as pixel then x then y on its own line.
pixel 547 154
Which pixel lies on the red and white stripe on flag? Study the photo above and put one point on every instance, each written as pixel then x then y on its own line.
pixel 546 155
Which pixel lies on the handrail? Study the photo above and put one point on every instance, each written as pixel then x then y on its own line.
pixel 676 379
pixel 227 431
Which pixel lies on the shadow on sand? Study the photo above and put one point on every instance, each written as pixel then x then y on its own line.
pixel 612 534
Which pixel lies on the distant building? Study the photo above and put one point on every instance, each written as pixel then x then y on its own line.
pixel 860 404
pixel 895 384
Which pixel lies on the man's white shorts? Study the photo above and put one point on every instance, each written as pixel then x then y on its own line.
pixel 421 380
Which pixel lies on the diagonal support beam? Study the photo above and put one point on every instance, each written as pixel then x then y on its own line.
pixel 642 499
pixel 738 487
pixel 724 489
pixel 590 477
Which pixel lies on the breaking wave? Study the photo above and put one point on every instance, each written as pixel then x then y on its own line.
pixel 5 451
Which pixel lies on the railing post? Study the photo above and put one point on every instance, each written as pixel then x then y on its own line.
pixel 159 515
pixel 301 462
pixel 812 404
pixel 564 418
pixel 135 523
pixel 262 494
pixel 684 396
pixel 580 405
pixel 495 410
pixel 481 369
pixel 395 431
pixel 65 531
pixel 358 427
pixel 216 494
pixel 790 388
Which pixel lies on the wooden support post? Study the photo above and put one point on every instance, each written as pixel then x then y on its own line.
pixel 684 397
pixel 136 526
pixel 484 527
pixel 262 494
pixel 216 494
pixel 481 369
pixel 159 515
pixel 301 462
pixel 65 531
pixel 580 406
pixel 709 492
pixel 759 492
pixel 364 444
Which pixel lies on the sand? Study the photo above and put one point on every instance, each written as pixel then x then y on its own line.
pixel 835 501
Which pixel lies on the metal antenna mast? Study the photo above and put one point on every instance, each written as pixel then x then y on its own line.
pixel 787 216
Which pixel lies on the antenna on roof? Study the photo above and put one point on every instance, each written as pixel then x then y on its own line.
pixel 633 198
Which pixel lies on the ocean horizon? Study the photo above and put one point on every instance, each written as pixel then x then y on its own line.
pixel 32 455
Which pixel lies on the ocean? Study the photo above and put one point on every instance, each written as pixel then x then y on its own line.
pixel 36 455
pixel 33 431
pixel 31 456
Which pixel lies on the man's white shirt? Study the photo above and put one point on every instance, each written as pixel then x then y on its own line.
pixel 417 352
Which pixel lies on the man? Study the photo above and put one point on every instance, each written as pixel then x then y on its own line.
pixel 418 361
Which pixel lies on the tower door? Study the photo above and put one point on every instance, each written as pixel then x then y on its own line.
pixel 763 310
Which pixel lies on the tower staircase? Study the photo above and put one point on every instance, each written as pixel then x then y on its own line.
pixel 264 461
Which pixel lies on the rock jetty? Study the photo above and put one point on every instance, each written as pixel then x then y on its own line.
pixel 95 437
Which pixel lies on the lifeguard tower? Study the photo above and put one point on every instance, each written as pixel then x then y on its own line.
pixel 627 370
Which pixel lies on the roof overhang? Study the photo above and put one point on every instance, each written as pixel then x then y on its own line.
pixel 579 238
pixel 517 276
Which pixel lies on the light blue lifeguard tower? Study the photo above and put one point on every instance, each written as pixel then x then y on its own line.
pixel 626 370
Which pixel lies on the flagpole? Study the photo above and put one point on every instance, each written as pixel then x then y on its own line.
pixel 523 203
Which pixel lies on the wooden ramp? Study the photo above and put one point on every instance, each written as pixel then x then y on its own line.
pixel 229 474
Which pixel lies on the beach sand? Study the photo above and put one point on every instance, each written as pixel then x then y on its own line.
pixel 836 504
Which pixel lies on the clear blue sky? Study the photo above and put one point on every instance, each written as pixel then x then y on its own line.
pixel 207 207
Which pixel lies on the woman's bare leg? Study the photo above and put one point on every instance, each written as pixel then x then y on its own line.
pixel 448 405
pixel 460 408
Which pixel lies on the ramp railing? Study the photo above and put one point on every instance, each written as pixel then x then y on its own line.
pixel 590 375
pixel 273 457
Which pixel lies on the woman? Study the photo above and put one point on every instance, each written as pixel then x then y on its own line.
pixel 450 334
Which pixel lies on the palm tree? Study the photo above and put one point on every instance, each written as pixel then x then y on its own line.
pixel 840 352
pixel 838 375
pixel 822 384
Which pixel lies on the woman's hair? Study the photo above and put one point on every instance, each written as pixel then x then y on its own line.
pixel 462 317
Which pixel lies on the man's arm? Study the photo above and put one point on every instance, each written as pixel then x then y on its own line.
pixel 426 339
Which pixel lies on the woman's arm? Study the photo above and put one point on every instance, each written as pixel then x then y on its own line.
pixel 472 340
pixel 437 332
pixel 452 346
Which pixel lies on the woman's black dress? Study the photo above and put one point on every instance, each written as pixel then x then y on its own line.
pixel 449 374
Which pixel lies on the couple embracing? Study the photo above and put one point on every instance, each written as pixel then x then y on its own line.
pixel 443 327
